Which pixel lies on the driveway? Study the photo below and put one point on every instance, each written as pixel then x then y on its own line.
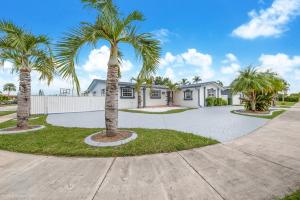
pixel 263 165
pixel 214 122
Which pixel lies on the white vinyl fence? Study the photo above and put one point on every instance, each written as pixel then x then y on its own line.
pixel 64 104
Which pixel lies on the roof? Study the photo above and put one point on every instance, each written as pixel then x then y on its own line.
pixel 96 81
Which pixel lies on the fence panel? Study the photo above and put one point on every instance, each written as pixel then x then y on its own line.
pixel 64 104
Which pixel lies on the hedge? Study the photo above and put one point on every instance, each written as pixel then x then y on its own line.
pixel 213 101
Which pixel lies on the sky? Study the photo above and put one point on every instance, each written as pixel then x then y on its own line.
pixel 210 39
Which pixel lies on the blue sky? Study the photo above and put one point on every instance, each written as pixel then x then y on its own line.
pixel 212 39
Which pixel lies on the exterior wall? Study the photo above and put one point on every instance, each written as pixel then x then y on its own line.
pixel 236 99
pixel 156 102
pixel 179 98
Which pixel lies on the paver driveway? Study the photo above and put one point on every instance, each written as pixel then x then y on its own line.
pixel 214 122
pixel 263 165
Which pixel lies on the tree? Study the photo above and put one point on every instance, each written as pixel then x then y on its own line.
pixel 220 83
pixel 172 87
pixel 139 83
pixel 111 26
pixel 27 52
pixel 197 79
pixel 9 87
pixel 250 82
pixel 184 81
pixel 158 80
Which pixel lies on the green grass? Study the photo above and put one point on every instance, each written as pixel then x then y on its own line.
pixel 274 114
pixel 166 112
pixel 2 113
pixel 285 104
pixel 62 141
pixel 294 196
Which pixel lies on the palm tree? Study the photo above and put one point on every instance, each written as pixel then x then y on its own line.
pixel 139 83
pixel 27 52
pixel 184 81
pixel 115 29
pixel 250 82
pixel 197 79
pixel 9 87
pixel 220 83
pixel 172 87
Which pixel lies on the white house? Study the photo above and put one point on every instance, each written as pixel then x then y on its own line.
pixel 192 95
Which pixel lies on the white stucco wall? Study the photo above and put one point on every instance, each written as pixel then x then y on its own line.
pixel 179 98
pixel 156 102
pixel 236 99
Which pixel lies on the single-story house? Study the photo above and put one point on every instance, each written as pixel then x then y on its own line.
pixel 191 95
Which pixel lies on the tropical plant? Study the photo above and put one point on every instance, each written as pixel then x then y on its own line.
pixel 172 88
pixel 184 81
pixel 251 83
pixel 197 79
pixel 111 26
pixel 9 87
pixel 158 80
pixel 220 83
pixel 139 83
pixel 27 52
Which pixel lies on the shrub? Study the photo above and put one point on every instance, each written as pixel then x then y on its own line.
pixel 213 101
pixel 290 98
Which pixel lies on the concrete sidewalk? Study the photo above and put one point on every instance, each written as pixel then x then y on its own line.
pixel 7 117
pixel 262 165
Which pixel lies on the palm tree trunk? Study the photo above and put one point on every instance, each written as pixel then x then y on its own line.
pixel 253 102
pixel 139 98
pixel 111 99
pixel 24 98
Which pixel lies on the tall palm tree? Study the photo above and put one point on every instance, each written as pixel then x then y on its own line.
pixel 197 79
pixel 250 82
pixel 184 81
pixel 9 87
pixel 27 52
pixel 112 27
pixel 220 83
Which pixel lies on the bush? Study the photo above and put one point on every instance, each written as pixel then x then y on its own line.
pixel 290 98
pixel 3 99
pixel 213 101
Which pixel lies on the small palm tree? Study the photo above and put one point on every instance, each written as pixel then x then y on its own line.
pixel 139 83
pixel 184 81
pixel 115 29
pixel 172 87
pixel 27 52
pixel 220 83
pixel 250 82
pixel 9 87
pixel 197 79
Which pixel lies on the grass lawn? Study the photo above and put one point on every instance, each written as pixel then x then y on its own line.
pixel 294 196
pixel 62 141
pixel 274 114
pixel 2 113
pixel 166 112
pixel 285 104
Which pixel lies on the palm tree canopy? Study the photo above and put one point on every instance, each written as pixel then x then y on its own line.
pixel 111 26
pixel 9 87
pixel 197 79
pixel 184 81
pixel 26 50
pixel 250 80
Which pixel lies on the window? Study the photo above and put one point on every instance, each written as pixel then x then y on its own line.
pixel 103 92
pixel 188 95
pixel 211 92
pixel 127 92
pixel 155 94
pixel 94 93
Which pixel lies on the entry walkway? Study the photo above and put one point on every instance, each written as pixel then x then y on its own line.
pixel 261 165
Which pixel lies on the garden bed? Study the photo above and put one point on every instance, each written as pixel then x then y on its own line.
pixel 267 115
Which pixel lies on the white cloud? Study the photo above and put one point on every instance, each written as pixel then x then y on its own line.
pixel 231 66
pixel 280 63
pixel 170 74
pixel 190 58
pixel 269 22
pixel 162 35
pixel 98 59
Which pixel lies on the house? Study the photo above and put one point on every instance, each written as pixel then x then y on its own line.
pixel 233 99
pixel 192 95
